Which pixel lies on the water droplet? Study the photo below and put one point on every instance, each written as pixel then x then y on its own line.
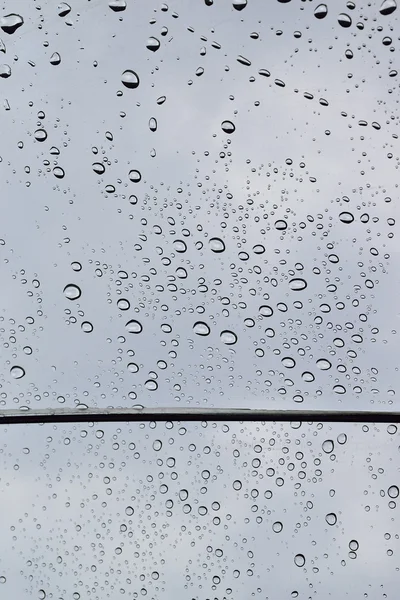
pixel 266 311
pixel 328 446
pixel 239 4
pixel 217 245
pixel 133 368
pixel 42 594
pixel 153 44
pixel 3 579
pixel 299 560
pixel 134 326
pixel 228 127
pixel 130 79
pixel 10 23
pixel 297 285
pixel 157 445
pixel 280 225
pixel 228 337
pixel 201 328
pixel 323 364
pixel 344 20
pixel 135 176
pixel 5 71
pixel 87 327
pixel 55 58
pixel 277 527
pixel 161 100
pixel 308 377
pixel 58 172
pixel 321 11
pixel 387 7
pixel 331 519
pixel 393 491
pixel 288 362
pixel 17 372
pixel 180 246
pixel 346 217
pixel 353 545
pixel 40 135
pixel 123 304
pixel 237 485
pixel 63 9
pixel 117 5
pixel 28 350
pixel 339 389
pixel 341 438
pixel 153 124
pixel 151 385
pixel 98 168
pixel 129 511
pixel 72 291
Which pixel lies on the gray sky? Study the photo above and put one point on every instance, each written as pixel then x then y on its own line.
pixel 300 192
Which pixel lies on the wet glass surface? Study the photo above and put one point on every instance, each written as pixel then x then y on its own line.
pixel 199 204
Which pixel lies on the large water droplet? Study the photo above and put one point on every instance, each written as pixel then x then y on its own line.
pixel 130 79
pixel 308 377
pixel 201 328
pixel 87 327
pixel 288 362
pixel 228 127
pixel 72 291
pixel 344 20
pixel 346 217
pixel 266 311
pixel 5 71
pixel 299 560
pixel 297 285
pixel 17 372
pixel 58 172
pixel 331 519
pixel 153 44
pixel 10 23
pixel 135 176
pixel 123 304
pixel 63 9
pixel 393 491
pixel 280 225
pixel 151 385
pixel 328 446
pixel 55 58
pixel 239 4
pixel 98 168
pixel 321 11
pixel 153 124
pixel 228 337
pixel 117 5
pixel 339 389
pixel 387 7
pixel 217 245
pixel 323 364
pixel 277 527
pixel 133 326
pixel 40 135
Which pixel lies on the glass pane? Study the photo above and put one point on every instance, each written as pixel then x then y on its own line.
pixel 200 511
pixel 199 203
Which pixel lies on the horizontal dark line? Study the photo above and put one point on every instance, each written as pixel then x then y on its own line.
pixel 77 415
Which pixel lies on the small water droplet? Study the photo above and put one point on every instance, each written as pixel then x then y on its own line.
pixel 237 485
pixel 40 135
pixel 321 11
pixel 130 79
pixel 153 44
pixel 387 7
pixel 341 438
pixel 10 23
pixel 133 326
pixel 331 519
pixel 280 225
pixel 393 491
pixel 339 389
pixel 133 368
pixel 151 385
pixel 228 337
pixel 299 560
pixel 288 362
pixel 297 285
pixel 98 168
pixel 28 350
pixel 201 328
pixel 228 127
pixel 72 291
pixel 42 594
pixel 2 579
pixel 308 377
pixel 87 327
pixel 153 124
pixel 5 71
pixel 123 304
pixel 354 545
pixel 17 372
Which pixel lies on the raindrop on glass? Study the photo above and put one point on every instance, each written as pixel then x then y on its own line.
pixel 228 337
pixel 201 328
pixel 130 79
pixel 133 326
pixel 17 372
pixel 72 291
pixel 228 127
pixel 10 23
